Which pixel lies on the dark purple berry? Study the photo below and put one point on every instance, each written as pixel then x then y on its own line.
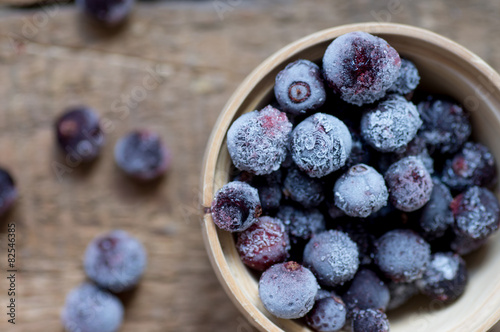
pixel 400 293
pixel 360 152
pixel 79 134
pixel 299 87
pixel 8 191
pixel 109 12
pixel 269 188
pixel 407 80
pixel 473 166
pixel 367 291
pixel 258 141
pixel 446 124
pixel 360 67
pixel 301 223
pixel 287 290
pixel 445 278
pixel 360 192
pixel 236 206
pixel 463 245
pixel 476 213
pixel 263 244
pixel 402 255
pixel 320 144
pixel 370 320
pixel 142 155
pixel 303 189
pixel 391 125
pixel 418 148
pixel 333 257
pixel 115 261
pixel 409 183
pixel 88 308
pixel 328 314
pixel 436 216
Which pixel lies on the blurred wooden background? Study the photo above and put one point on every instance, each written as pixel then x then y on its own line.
pixel 197 52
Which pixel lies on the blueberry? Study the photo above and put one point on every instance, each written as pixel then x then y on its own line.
pixel 367 291
pixel 263 244
pixel 269 188
pixel 236 206
pixel 436 216
pixel 303 189
pixel 258 141
pixel 360 67
pixel 402 255
pixel 409 183
pixel 142 155
pixel 333 257
pixel 299 87
pixel 8 191
pixel 391 125
pixel 79 134
pixel 407 80
pixel 370 320
pixel 463 245
pixel 361 191
pixel 320 144
pixel 328 314
pixel 89 309
pixel 445 278
pixel 287 290
pixel 109 12
pixel 400 293
pixel 301 223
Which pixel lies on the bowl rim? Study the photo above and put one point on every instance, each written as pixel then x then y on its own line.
pixel 226 117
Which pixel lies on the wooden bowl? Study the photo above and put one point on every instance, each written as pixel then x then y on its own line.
pixel 445 67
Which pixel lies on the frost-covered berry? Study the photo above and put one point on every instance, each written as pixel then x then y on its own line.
pixel 236 206
pixel 402 255
pixel 409 183
pixel 445 278
pixel 303 189
pixel 446 126
pixel 333 257
pixel 258 141
pixel 299 87
pixel 474 165
pixel 328 314
pixel 263 244
pixel 361 191
pixel 367 291
pixel 463 245
pixel 408 78
pixel 320 144
pixel 360 67
pixel 391 125
pixel 476 212
pixel 287 290
pixel 109 12
pixel 301 223
pixel 8 191
pixel 436 216
pixel 370 320
pixel 115 261
pixel 400 293
pixel 88 308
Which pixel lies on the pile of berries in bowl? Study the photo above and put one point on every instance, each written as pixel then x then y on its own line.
pixel 356 182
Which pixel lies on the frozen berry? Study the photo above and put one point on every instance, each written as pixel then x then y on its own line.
pixel 400 293
pixel 407 80
pixel 333 257
pixel 402 255
pixel 446 124
pixel 299 87
pixel 269 188
pixel 358 231
pixel 115 261
pixel 360 67
pixel 142 155
pixel 361 191
pixel 8 191
pixel 320 144
pixel 109 12
pixel 445 278
pixel 301 223
pixel 367 291
pixel 474 165
pixel 476 213
pixel 409 183
pixel 370 320
pixel 287 290
pixel 263 244
pixel 303 189
pixel 236 206
pixel 328 314
pixel 258 141
pixel 436 216
pixel 89 309
pixel 79 134
pixel 463 245
pixel 391 125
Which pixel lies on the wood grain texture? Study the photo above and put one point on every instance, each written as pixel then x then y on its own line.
pixel 50 58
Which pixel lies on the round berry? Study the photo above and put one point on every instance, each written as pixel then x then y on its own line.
pixel 236 206
pixel 367 291
pixel 301 223
pixel 436 216
pixel 360 192
pixel 8 191
pixel 408 78
pixel 402 255
pixel 370 320
pixel 320 144
pixel 299 87
pixel 115 261
pixel 333 257
pixel 328 314
pixel 463 245
pixel 391 125
pixel 409 183
pixel 360 67
pixel 258 141
pixel 109 12
pixel 400 293
pixel 303 189
pixel 287 290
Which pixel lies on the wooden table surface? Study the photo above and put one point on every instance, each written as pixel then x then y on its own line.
pixel 170 69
